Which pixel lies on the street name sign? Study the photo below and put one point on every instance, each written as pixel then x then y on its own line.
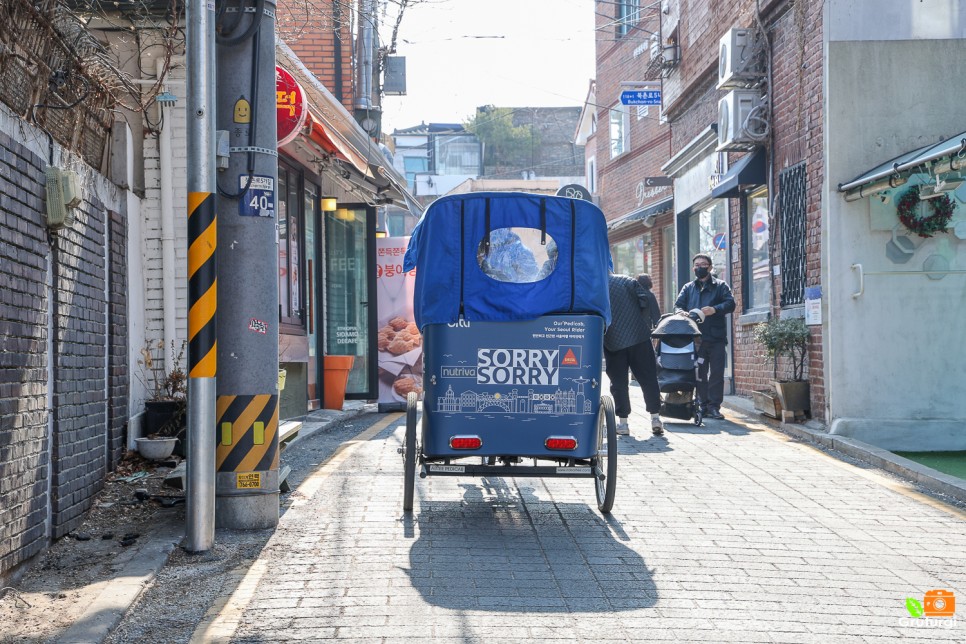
pixel 641 97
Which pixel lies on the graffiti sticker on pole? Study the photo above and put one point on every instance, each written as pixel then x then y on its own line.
pixel 258 200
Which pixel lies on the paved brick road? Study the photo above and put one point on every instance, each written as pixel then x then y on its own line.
pixel 724 533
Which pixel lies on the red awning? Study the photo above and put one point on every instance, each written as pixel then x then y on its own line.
pixel 326 136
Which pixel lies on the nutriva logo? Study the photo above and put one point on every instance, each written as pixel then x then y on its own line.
pixel 936 603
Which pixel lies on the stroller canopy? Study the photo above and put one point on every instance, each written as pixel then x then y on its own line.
pixel 675 324
pixel 473 260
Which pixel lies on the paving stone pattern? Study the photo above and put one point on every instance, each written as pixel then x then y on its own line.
pixel 719 534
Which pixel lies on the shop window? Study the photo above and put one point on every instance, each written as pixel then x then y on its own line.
pixel 755 249
pixel 708 234
pixel 633 256
pixel 792 208
pixel 290 222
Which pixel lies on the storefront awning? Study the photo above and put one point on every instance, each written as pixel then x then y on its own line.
pixel 749 170
pixel 642 214
pixel 947 156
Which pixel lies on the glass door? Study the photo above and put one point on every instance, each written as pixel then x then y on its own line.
pixel 349 238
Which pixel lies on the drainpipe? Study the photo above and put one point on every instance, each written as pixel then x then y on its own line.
pixel 363 98
pixel 168 264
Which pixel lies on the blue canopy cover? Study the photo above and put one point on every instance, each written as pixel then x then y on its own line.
pixel 447 248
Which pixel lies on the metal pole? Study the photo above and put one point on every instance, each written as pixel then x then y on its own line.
pixel 202 276
pixel 247 406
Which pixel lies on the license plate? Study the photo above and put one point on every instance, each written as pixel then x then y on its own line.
pixel 454 469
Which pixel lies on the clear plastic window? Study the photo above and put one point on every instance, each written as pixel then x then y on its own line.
pixel 517 256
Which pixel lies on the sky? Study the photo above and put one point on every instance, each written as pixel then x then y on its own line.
pixel 461 54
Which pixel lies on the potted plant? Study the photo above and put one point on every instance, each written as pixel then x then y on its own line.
pixel 165 409
pixel 788 338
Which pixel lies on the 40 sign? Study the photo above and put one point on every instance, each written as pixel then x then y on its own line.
pixel 258 199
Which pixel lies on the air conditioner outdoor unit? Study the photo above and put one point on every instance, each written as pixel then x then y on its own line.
pixel 63 195
pixel 738 62
pixel 733 111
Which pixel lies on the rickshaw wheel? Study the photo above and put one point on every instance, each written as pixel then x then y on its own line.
pixel 606 460
pixel 409 452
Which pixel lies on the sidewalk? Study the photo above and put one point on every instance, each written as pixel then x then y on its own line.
pixel 727 532
pixel 136 567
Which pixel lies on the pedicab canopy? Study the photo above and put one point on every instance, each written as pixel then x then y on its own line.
pixel 498 256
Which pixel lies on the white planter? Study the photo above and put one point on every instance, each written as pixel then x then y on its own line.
pixel 155 449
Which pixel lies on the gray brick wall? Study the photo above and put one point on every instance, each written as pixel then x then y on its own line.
pixel 80 398
pixel 53 462
pixel 24 455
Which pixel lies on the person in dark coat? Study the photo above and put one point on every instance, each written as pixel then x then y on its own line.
pixel 709 301
pixel 627 344
pixel 653 310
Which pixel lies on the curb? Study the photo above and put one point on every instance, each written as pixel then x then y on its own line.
pixel 814 432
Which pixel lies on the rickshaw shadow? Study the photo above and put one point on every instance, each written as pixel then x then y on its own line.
pixel 502 548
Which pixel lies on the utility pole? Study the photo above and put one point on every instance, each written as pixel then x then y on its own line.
pixel 247 409
pixel 202 277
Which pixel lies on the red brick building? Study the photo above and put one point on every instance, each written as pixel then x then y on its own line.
pixel 742 97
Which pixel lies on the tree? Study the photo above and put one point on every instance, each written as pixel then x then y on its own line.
pixel 504 144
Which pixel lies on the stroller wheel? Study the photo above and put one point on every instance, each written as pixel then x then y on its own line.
pixel 697 415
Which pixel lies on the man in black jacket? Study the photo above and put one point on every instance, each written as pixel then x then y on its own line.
pixel 710 300
pixel 627 344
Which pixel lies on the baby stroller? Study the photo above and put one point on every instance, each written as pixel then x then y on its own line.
pixel 677 374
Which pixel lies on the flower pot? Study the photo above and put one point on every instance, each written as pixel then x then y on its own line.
pixel 794 395
pixel 166 419
pixel 767 402
pixel 336 375
pixel 155 449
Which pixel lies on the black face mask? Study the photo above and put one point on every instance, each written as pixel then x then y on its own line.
pixel 701 272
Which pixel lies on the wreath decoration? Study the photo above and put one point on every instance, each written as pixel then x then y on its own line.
pixel 908 210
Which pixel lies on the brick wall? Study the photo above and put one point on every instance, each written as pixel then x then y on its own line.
pixel 795 31
pixel 80 388
pixel 312 29
pixel 24 456
pixel 118 375
pixel 53 457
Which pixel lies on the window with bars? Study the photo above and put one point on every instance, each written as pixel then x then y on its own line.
pixel 792 207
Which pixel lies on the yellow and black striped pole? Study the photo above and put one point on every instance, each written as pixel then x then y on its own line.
pixel 202 276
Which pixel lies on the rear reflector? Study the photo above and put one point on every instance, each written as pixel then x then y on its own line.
pixel 465 442
pixel 561 442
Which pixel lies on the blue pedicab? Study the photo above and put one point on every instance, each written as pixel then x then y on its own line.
pixel 511 298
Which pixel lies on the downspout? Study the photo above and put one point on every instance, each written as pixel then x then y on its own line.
pixel 363 98
pixel 168 264
pixel 337 50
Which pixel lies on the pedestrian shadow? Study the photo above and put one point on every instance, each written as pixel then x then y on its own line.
pixel 645 444
pixel 502 548
pixel 708 426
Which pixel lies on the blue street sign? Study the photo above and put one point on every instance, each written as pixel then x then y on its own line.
pixel 641 97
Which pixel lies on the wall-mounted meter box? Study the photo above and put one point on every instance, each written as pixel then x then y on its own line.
pixel 63 195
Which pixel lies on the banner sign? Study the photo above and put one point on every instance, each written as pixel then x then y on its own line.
pixel 290 108
pixel 399 341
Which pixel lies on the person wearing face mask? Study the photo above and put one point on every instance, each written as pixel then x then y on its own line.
pixel 709 299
